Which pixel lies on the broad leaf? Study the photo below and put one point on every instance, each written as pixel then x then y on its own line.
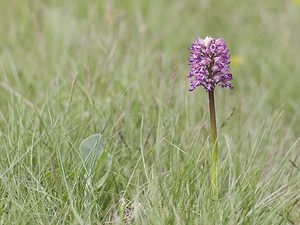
pixel 91 149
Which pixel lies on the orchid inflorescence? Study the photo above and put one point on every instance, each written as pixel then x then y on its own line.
pixel 209 63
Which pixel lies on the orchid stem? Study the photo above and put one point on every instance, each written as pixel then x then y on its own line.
pixel 214 156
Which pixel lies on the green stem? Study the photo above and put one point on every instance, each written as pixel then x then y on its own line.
pixel 214 156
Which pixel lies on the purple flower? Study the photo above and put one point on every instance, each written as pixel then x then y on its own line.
pixel 210 65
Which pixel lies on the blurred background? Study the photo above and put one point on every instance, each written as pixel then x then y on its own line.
pixel 141 46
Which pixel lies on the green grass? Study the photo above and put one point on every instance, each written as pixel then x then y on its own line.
pixel 69 69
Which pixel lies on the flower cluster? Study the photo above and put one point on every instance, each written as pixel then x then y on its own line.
pixel 210 65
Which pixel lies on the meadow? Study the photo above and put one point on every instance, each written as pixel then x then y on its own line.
pixel 70 69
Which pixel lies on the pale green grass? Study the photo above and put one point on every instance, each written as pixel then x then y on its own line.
pixel 73 68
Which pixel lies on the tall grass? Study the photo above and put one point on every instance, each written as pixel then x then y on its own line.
pixel 73 68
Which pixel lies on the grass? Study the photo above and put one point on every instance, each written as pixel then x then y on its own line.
pixel 73 68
